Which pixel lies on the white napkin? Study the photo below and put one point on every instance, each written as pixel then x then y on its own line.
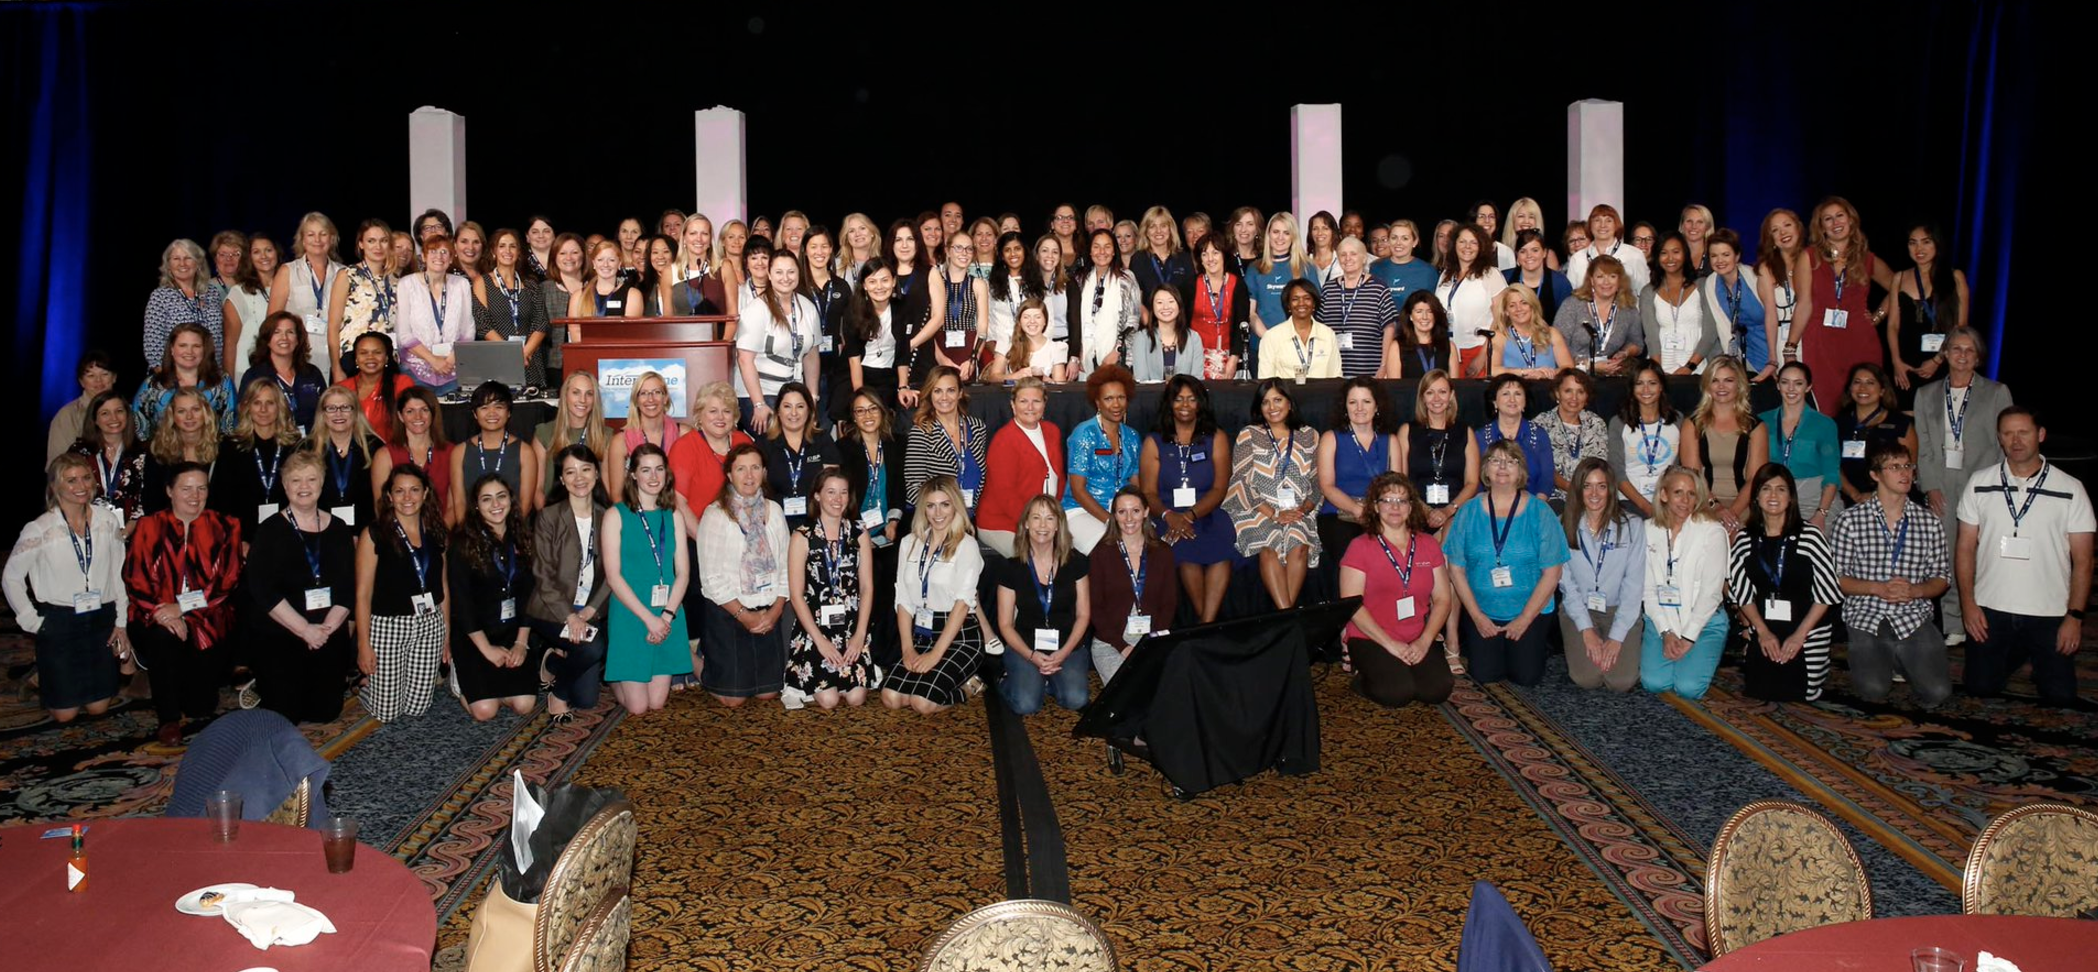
pixel 276 922
pixel 241 895
pixel 1990 963
pixel 525 814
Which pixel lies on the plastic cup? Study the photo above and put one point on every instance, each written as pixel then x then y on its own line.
pixel 1936 960
pixel 223 810
pixel 339 844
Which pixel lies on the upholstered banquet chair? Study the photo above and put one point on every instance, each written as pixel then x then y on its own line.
pixel 596 866
pixel 2040 859
pixel 1022 935
pixel 1778 867
pixel 600 944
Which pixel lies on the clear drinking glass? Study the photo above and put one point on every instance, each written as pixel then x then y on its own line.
pixel 223 810
pixel 339 844
pixel 1936 960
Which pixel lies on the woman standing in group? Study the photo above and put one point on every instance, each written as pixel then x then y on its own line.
pixel 1299 347
pixel 1399 571
pixel 1468 287
pixel 493 451
pixel 874 469
pixel 1361 445
pixel 858 243
pixel 181 569
pixel 75 606
pixel 1026 459
pixel 1281 260
pixel 1836 274
pixel 730 263
pixel 1673 314
pixel 580 420
pixel 1222 312
pixel 1063 227
pixel 1013 280
pixel 1726 446
pixel 1686 574
pixel 648 423
pixel 1550 286
pixel 494 665
pixel 361 300
pixel 507 307
pixel 559 290
pixel 1322 248
pixel 938 568
pixel 435 313
pixel 1424 334
pixel 1129 584
pixel 190 435
pixel 870 333
pixel 1780 243
pixel 777 342
pixel 345 446
pixel 246 482
pixel 1646 437
pixel 657 280
pixel 1606 238
pixel 1438 453
pixel 1872 416
pixel 377 383
pixel 1163 260
pixel 1526 214
pixel 186 295
pixel 1733 307
pixel 1274 491
pixel 743 575
pixel 305 285
pixel 1104 303
pixel 699 289
pixel 119 458
pixel 1600 596
pixel 1926 304
pixel 418 440
pixel 1028 352
pixel 248 300
pixel 1576 433
pixel 1506 554
pixel 1602 323
pixel 282 356
pixel 187 364
pixel 1804 441
pixel 539 250
pixel 1787 621
pixel 794 451
pixel 1525 344
pixel 830 577
pixel 833 300
pixel 302 574
pixel 606 293
pixel 1358 308
pixel 1180 482
pixel 569 592
pixel 1403 273
pixel 699 460
pixel 945 440
pixel 403 608
pixel 642 542
pixel 1695 226
pixel 1045 623
pixel 1510 399
pixel 961 313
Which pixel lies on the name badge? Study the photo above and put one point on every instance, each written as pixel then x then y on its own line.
pixel 1047 641
pixel 969 497
pixel 87 602
pixel 1286 497
pixel 1597 604
pixel 795 506
pixel 956 339
pixel 1955 457
pixel 320 598
pixel 1933 343
pixel 1503 577
pixel 659 596
pixel 1136 627
pixel 1669 595
pixel 1184 497
pixel 442 350
pixel 873 519
pixel 347 514
pixel 1853 448
pixel 1673 342
pixel 425 604
pixel 830 615
pixel 265 511
pixel 1347 341
pixel 582 590
pixel 191 601
pixel 1404 609
pixel 507 610
pixel 1438 494
pixel 517 339
pixel 317 326
pixel 923 622
pixel 1777 609
pixel 1833 317
pixel 2014 548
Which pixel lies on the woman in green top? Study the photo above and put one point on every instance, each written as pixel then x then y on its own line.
pixel 643 546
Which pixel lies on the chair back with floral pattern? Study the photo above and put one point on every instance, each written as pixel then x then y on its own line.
pixel 2040 859
pixel 297 809
pixel 1778 867
pixel 1022 935
pixel 597 863
pixel 600 945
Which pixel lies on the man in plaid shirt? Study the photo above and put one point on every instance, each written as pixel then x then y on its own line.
pixel 1890 560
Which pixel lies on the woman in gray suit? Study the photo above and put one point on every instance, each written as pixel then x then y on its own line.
pixel 568 603
pixel 1956 437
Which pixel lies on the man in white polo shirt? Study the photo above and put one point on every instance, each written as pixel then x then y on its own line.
pixel 2024 565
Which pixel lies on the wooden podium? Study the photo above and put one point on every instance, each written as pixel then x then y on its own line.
pixel 690 339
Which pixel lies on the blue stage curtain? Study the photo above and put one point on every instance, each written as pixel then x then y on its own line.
pixel 48 46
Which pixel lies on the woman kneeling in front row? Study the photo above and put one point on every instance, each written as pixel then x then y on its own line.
pixel 1044 613
pixel 937 568
pixel 1686 559
pixel 1506 553
pixel 1399 571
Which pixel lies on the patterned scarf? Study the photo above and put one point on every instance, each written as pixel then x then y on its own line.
pixel 759 564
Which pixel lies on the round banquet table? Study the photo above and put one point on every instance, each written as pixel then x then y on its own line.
pixel 137 867
pixel 1883 944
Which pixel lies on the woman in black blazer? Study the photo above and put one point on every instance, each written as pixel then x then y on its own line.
pixel 872 457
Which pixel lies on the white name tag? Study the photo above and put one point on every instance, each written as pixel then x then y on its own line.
pixel 441 350
pixel 1955 457
pixel 956 339
pixel 1597 604
pixel 969 498
pixel 1184 497
pixel 1438 494
pixel 873 519
pixel 830 615
pixel 1503 577
pixel 1285 497
pixel 796 506
pixel 1933 343
pixel 2014 548
pixel 659 596
pixel 347 514
pixel 1669 595
pixel 518 339
pixel 827 344
pixel 1853 448
pixel 1838 319
pixel 922 619
pixel 191 601
pixel 87 602
pixel 1047 641
pixel 1136 627
pixel 1404 609
pixel 507 611
pixel 265 511
pixel 1347 341
pixel 424 604
pixel 320 598
pixel 1777 609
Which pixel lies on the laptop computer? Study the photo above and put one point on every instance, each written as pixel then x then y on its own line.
pixel 484 361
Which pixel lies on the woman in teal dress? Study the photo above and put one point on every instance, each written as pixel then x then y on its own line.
pixel 643 546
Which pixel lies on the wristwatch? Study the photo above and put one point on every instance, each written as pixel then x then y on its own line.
pixel 2076 613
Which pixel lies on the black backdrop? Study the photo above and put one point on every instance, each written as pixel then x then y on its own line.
pixel 177 120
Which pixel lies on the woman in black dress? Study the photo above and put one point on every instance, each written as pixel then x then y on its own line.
pixel 302 574
pixel 493 661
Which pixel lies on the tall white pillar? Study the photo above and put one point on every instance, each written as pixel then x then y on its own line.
pixel 722 192
pixel 1314 160
pixel 1594 156
pixel 436 163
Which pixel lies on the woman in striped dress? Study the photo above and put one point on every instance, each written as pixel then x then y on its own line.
pixel 1782 578
pixel 945 440
pixel 1274 492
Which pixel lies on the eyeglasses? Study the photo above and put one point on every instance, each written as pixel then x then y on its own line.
pixel 339 409
pixel 1502 461
pixel 1898 467
pixel 1065 219
pixel 1642 241
pixel 866 410
pixel 1394 502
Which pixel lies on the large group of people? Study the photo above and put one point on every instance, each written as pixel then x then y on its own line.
pixel 834 525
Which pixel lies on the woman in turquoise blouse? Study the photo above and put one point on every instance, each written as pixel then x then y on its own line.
pixel 1804 441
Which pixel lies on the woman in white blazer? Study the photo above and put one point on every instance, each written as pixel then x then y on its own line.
pixel 1686 564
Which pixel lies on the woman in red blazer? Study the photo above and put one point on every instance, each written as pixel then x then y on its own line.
pixel 1026 460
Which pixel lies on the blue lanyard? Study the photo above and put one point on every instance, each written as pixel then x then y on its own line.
pixel 320 306
pixel 1347 300
pixel 1785 441
pixel 511 295
pixel 1450 300
pixel 1438 451
pixel 877 482
pixel 1650 445
pixel 1405 573
pixel 382 293
pixel 1183 452
pixel 1733 298
pixel 1776 568
pixel 1499 533
pixel 269 476
pixel 1602 555
pixel 1164 270
pixel 588 537
pixel 111 472
pixel 1525 347
pixel 1136 577
pixel 1841 278
pixel 84 550
pixel 1924 305
pixel 1045 593
pixel 1604 326
pixel 1426 356
pixel 795 457
pixel 1901 534
pixel 437 303
pixel 2032 492
pixel 823 297
pixel 311 550
pixel 925 562
pixel 1375 439
pixel 507 563
pixel 340 468
pixel 972 474
pixel 1288 455
pixel 1304 351
pixel 1958 423
pixel 833 558
pixel 655 547
pixel 416 557
pixel 481 454
pixel 1216 298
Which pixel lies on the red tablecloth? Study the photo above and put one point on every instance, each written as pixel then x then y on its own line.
pixel 126 918
pixel 1883 944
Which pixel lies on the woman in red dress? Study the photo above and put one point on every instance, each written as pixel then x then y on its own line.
pixel 1834 326
pixel 1222 312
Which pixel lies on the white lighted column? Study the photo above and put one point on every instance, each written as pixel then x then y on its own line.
pixel 1314 160
pixel 436 163
pixel 1594 156
pixel 717 148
